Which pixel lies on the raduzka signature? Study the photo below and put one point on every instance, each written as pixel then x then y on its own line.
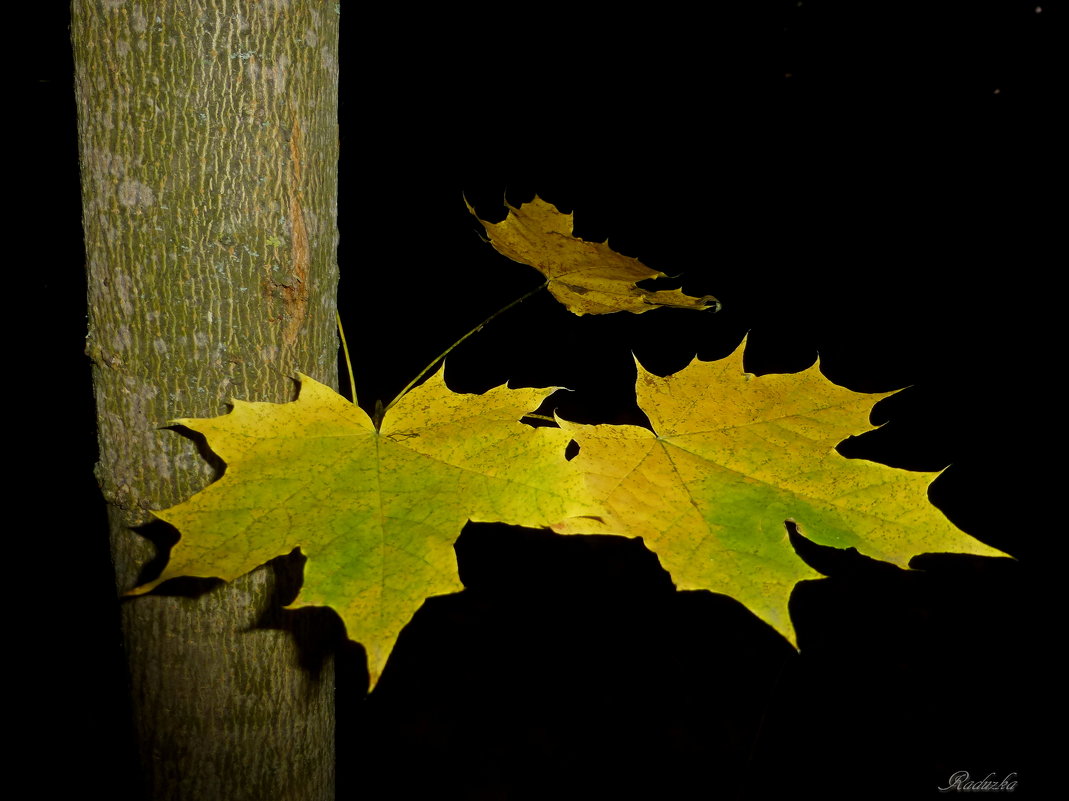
pixel 960 781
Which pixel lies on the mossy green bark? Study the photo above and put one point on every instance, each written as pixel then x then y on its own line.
pixel 208 144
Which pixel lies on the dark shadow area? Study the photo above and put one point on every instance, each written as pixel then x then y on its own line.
pixel 217 465
pixel 164 537
pixel 318 631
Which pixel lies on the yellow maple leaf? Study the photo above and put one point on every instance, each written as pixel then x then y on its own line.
pixel 587 277
pixel 375 512
pixel 730 458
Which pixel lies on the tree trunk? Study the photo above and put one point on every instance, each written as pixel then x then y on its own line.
pixel 208 142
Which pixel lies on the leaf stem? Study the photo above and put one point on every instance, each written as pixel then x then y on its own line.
pixel 449 350
pixel 348 361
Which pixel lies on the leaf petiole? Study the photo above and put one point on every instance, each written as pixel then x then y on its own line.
pixel 449 350
pixel 348 361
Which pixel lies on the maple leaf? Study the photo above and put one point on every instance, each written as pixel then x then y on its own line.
pixel 731 457
pixel 587 277
pixel 375 512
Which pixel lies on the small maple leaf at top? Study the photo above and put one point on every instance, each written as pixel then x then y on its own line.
pixel 587 277
pixel 374 509
pixel 731 457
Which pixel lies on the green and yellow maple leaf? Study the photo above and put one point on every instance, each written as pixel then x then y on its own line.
pixel 731 457
pixel 587 277
pixel 375 512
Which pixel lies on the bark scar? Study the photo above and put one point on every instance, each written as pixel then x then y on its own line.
pixel 295 293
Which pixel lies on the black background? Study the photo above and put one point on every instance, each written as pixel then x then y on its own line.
pixel 874 184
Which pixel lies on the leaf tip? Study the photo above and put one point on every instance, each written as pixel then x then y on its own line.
pixel 638 365
pixel 142 589
pixel 709 302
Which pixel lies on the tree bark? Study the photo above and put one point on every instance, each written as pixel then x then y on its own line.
pixel 208 144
